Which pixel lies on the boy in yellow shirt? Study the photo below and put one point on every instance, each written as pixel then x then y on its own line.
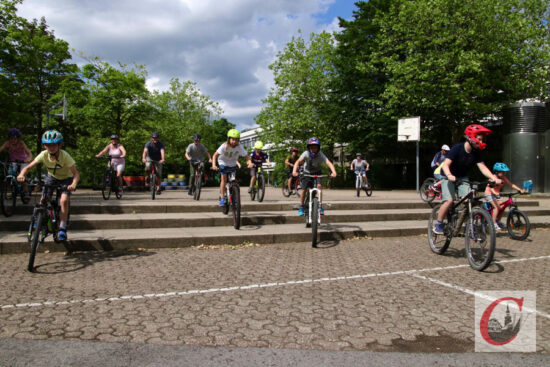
pixel 62 172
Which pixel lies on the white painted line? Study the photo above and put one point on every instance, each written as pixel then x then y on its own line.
pixel 413 272
pixel 473 293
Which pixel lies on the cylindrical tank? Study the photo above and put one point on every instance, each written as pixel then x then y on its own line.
pixel 524 143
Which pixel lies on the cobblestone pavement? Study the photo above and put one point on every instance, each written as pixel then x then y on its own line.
pixel 348 295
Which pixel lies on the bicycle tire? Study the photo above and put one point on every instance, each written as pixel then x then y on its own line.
pixel 368 189
pixel 518 224
pixel 439 243
pixel 35 240
pixel 284 188
pixel 261 188
pixel 425 190
pixel 116 187
pixel 483 229
pixel 236 206
pixel 306 210
pixel 252 192
pixel 314 221
pixel 153 185
pixel 197 185
pixel 7 199
pixel 32 228
pixel 107 186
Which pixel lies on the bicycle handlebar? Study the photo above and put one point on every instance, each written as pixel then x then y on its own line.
pixel 315 176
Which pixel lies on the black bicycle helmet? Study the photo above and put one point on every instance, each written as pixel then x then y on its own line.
pixel 196 136
pixel 15 132
pixel 114 136
pixel 155 134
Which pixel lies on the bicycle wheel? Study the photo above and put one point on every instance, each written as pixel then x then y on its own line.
pixel 236 206
pixel 253 191
pixel 368 189
pixel 35 239
pixel 116 187
pixel 198 185
pixel 439 243
pixel 106 187
pixel 480 239
pixel 153 185
pixel 32 228
pixel 426 191
pixel 306 210
pixel 518 225
pixel 358 183
pixel 314 221
pixel 261 188
pixel 284 188
pixel 8 197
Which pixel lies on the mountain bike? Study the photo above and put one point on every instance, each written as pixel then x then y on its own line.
pixel 361 185
pixel 479 231
pixel 153 177
pixel 430 190
pixel 258 190
pixel 197 183
pixel 44 220
pixel 312 208
pixel 110 181
pixel 10 188
pixel 294 185
pixel 232 196
pixel 517 222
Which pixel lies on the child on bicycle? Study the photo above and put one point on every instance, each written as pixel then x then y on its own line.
pixel 313 160
pixel 290 161
pixel 62 172
pixel 456 166
pixel 360 167
pixel 228 155
pixel 18 152
pixel 492 194
pixel 117 153
pixel 258 158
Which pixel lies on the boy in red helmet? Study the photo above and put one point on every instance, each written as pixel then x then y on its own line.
pixel 456 166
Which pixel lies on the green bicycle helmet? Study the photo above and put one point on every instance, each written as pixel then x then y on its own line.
pixel 258 145
pixel 499 166
pixel 52 137
pixel 234 133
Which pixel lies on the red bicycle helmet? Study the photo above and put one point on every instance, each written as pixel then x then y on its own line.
pixel 472 131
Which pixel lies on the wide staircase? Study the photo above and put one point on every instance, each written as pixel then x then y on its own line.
pixel 174 219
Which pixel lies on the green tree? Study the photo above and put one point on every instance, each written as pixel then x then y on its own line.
pixel 36 63
pixel 298 106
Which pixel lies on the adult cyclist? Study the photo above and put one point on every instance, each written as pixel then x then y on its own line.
pixel 195 153
pixel 153 153
pixel 360 167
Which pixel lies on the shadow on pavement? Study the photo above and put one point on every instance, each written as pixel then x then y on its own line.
pixel 78 261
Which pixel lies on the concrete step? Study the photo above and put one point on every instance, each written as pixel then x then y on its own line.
pixel 120 239
pixel 217 219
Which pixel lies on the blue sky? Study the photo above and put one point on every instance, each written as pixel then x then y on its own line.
pixel 223 46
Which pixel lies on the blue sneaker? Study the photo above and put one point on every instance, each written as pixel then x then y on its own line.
pixel 62 234
pixel 222 201
pixel 439 228
pixel 301 211
pixel 322 211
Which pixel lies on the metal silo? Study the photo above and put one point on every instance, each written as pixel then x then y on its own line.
pixel 524 129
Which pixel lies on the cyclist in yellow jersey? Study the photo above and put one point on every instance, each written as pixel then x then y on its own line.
pixel 61 171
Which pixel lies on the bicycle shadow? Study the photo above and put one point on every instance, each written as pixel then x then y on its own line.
pixel 332 234
pixel 79 260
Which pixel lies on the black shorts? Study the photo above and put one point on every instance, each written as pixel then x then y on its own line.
pixel 310 181
pixel 52 181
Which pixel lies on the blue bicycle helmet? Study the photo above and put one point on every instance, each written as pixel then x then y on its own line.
pixel 502 167
pixel 15 132
pixel 52 137
pixel 313 141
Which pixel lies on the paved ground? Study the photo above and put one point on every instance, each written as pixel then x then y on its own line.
pixel 378 295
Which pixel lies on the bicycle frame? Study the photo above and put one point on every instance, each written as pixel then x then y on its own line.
pixel 503 205
pixel 313 193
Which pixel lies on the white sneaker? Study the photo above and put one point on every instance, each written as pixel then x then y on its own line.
pixel 497 228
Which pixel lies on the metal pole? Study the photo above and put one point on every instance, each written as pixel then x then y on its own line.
pixel 417 165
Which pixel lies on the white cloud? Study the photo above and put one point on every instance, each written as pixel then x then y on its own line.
pixel 224 46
